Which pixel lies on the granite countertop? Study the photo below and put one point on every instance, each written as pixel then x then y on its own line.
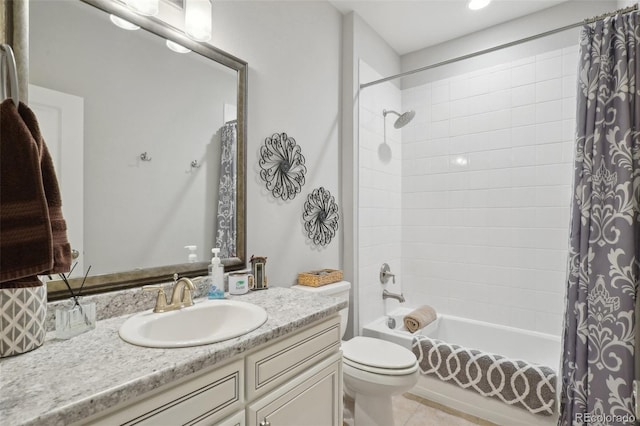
pixel 64 381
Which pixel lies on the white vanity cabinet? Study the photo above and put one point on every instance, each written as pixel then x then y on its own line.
pixel 299 379
pixel 295 380
pixel 235 420
pixel 201 399
pixel 311 399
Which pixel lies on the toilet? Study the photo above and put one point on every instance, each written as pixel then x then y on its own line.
pixel 373 369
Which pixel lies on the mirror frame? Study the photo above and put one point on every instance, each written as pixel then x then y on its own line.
pixel 116 281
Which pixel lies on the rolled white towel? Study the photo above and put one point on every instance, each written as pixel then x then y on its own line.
pixel 419 318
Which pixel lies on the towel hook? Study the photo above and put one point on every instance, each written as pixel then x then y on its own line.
pixel 195 164
pixel 145 157
pixel 9 62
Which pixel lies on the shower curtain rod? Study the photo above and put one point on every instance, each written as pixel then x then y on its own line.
pixel 502 46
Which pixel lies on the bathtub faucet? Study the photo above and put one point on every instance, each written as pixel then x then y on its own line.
pixel 386 294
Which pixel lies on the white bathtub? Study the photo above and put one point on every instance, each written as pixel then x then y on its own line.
pixel 514 343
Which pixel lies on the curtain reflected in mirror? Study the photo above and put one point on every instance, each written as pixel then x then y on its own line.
pixel 227 226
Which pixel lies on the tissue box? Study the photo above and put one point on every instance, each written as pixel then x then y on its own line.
pixel 320 277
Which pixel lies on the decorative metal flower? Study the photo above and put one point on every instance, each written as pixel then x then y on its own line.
pixel 320 216
pixel 282 166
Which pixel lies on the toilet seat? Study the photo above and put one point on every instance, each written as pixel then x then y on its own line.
pixel 384 371
pixel 378 356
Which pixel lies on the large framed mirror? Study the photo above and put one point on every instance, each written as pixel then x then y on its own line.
pixel 148 143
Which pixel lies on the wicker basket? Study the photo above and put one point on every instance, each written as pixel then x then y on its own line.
pixel 319 278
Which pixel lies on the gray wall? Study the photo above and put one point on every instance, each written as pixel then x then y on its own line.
pixel 293 50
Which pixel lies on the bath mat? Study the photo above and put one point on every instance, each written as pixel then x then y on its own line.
pixel 514 382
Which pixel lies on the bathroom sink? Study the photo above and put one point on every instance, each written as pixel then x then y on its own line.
pixel 205 322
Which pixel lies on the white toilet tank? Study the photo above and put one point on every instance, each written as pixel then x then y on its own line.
pixel 339 290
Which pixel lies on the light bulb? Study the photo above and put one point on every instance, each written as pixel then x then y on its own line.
pixel 178 48
pixel 126 25
pixel 144 7
pixel 197 19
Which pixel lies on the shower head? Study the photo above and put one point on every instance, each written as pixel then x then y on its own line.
pixel 402 120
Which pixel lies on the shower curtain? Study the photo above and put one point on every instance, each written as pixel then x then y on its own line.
pixel 598 341
pixel 226 223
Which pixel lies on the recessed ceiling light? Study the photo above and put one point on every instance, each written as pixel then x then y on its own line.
pixel 177 47
pixel 123 24
pixel 478 4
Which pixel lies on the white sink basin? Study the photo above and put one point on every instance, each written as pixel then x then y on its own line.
pixel 205 322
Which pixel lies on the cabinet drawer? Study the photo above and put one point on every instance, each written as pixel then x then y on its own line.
pixel 312 399
pixel 272 366
pixel 235 420
pixel 203 398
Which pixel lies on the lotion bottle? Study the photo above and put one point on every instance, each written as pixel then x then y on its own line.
pixel 216 274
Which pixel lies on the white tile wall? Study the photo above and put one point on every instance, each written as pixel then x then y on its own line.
pixel 380 194
pixel 486 172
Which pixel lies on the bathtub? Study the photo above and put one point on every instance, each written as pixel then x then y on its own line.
pixel 535 348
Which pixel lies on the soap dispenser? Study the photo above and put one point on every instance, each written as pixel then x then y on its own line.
pixel 193 257
pixel 216 274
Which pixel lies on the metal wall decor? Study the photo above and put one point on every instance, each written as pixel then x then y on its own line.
pixel 282 166
pixel 320 216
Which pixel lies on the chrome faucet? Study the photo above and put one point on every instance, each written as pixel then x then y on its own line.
pixel 180 297
pixel 386 294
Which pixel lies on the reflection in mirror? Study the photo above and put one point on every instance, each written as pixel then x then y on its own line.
pixel 142 138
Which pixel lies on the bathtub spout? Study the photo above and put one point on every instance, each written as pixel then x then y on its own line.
pixel 386 294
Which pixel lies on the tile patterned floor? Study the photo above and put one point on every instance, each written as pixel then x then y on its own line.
pixel 411 410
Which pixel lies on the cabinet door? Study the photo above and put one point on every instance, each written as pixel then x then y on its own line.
pixel 312 399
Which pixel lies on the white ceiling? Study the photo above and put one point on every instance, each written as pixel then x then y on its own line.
pixel 410 25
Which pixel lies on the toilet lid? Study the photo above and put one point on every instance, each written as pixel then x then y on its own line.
pixel 378 353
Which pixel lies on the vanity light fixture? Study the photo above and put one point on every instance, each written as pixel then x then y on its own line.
pixel 197 19
pixel 126 25
pixel 478 4
pixel 144 7
pixel 177 47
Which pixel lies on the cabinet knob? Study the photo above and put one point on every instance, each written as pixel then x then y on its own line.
pixel 265 422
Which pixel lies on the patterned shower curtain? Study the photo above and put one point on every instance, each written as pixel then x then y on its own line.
pixel 226 226
pixel 598 353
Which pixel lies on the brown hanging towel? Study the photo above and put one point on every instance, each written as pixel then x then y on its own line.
pixel 33 232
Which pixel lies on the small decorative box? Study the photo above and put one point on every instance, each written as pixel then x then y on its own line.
pixel 319 278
